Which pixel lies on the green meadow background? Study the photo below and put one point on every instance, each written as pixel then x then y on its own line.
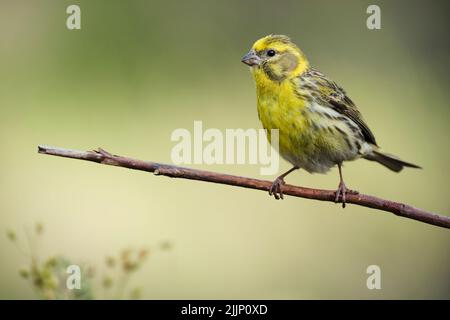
pixel 137 70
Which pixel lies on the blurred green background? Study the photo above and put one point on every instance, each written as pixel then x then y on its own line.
pixel 137 70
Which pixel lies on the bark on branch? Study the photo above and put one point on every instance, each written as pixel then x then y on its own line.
pixel 103 157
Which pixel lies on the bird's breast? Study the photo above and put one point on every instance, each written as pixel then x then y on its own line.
pixel 307 138
pixel 279 107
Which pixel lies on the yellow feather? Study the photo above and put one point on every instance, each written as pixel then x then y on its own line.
pixel 306 137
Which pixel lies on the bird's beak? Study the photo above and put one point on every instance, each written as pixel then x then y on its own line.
pixel 251 59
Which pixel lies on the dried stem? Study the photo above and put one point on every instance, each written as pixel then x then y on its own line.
pixel 103 157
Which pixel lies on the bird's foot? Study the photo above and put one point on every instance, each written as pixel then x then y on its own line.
pixel 341 193
pixel 275 189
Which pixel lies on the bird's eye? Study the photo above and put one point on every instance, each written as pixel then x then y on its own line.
pixel 271 53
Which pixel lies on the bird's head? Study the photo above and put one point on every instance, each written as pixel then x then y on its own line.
pixel 277 56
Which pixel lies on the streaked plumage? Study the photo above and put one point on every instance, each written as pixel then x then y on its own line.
pixel 319 125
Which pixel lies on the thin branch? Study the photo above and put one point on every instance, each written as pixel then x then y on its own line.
pixel 172 171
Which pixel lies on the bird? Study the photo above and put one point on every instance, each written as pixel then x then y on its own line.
pixel 319 126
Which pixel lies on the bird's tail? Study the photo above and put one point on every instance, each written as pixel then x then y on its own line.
pixel 389 161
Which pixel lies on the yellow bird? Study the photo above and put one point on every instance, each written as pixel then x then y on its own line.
pixel 319 126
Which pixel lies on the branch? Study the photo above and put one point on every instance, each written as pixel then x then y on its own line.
pixel 172 171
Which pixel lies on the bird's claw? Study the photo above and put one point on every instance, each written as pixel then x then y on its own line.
pixel 275 189
pixel 341 193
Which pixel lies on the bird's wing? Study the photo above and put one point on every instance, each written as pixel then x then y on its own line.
pixel 333 96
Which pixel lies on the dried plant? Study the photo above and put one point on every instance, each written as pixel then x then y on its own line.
pixel 48 277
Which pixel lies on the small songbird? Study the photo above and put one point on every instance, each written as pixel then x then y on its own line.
pixel 319 126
